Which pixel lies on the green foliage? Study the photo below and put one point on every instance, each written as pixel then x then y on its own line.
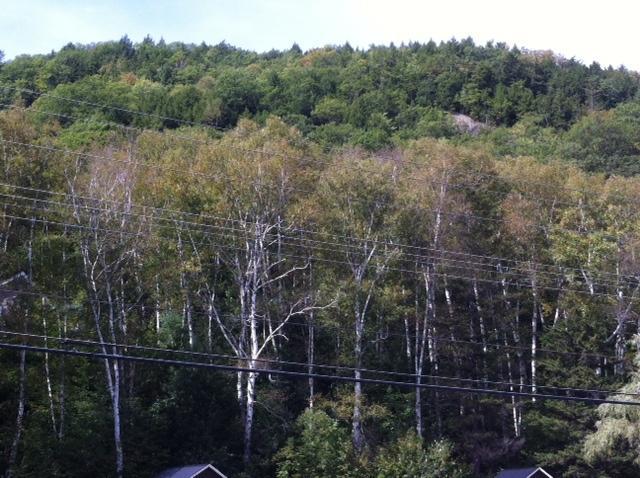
pixel 407 458
pixel 616 441
pixel 321 448
pixel 341 92
pixel 607 141
pixel 417 122
pixel 360 147
pixel 526 138
pixel 82 134
pixel 331 134
pixel 171 331
pixel 238 92
pixel 330 110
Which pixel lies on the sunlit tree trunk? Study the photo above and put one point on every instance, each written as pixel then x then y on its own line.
pixel 516 410
pixel 47 374
pixel 363 296
pixel 534 334
pixel 483 333
pixel 22 399
pixel 311 347
pixel 456 355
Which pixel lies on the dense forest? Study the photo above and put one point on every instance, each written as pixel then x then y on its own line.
pixel 405 261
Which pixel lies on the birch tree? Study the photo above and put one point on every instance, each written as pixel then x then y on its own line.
pixel 108 238
pixel 355 201
pixel 432 222
pixel 253 206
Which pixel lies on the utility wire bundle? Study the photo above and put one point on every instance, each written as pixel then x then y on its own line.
pixel 112 351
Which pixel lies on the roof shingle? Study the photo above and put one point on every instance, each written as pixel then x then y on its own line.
pixel 188 471
pixel 521 472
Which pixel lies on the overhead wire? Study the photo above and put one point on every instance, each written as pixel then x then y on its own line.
pixel 218 176
pixel 454 341
pixel 123 110
pixel 554 202
pixel 502 260
pixel 317 326
pixel 525 283
pixel 438 257
pixel 318 376
pixel 127 347
pixel 424 180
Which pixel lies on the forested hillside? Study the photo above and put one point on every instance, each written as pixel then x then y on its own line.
pixel 374 99
pixel 300 264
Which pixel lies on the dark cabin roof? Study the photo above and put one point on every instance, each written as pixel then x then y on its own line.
pixel 533 472
pixel 192 471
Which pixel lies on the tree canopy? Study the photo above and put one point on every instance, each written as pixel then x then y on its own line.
pixel 292 215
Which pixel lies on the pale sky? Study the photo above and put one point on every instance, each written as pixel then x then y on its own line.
pixel 603 31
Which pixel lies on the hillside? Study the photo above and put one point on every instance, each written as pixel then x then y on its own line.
pixel 300 264
pixel 375 99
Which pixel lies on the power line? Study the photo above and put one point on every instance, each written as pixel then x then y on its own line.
pixel 271 253
pixel 307 375
pixel 139 130
pixel 300 241
pixel 322 259
pixel 273 153
pixel 559 273
pixel 306 364
pixel 420 180
pixel 386 243
pixel 72 225
pixel 168 118
pixel 109 107
pixel 323 327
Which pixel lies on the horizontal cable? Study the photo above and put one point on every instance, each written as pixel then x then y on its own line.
pixel 307 375
pixel 532 266
pixel 306 364
pixel 110 107
pixel 219 176
pixel 301 241
pixel 422 181
pixel 306 191
pixel 320 327
pixel 525 284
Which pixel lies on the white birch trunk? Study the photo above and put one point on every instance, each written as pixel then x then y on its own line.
pixel 22 399
pixel 534 336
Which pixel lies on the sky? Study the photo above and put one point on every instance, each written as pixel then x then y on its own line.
pixel 588 30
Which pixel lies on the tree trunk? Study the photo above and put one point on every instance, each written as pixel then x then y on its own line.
pixel 311 357
pixel 184 285
pixel 117 435
pixel 456 355
pixel 483 335
pixel 47 374
pixel 534 337
pixel 515 403
pixel 22 398
pixel 248 417
pixel 62 333
pixel 419 347
pixel 157 311
pixel 115 382
pixel 357 427
pixel 432 342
